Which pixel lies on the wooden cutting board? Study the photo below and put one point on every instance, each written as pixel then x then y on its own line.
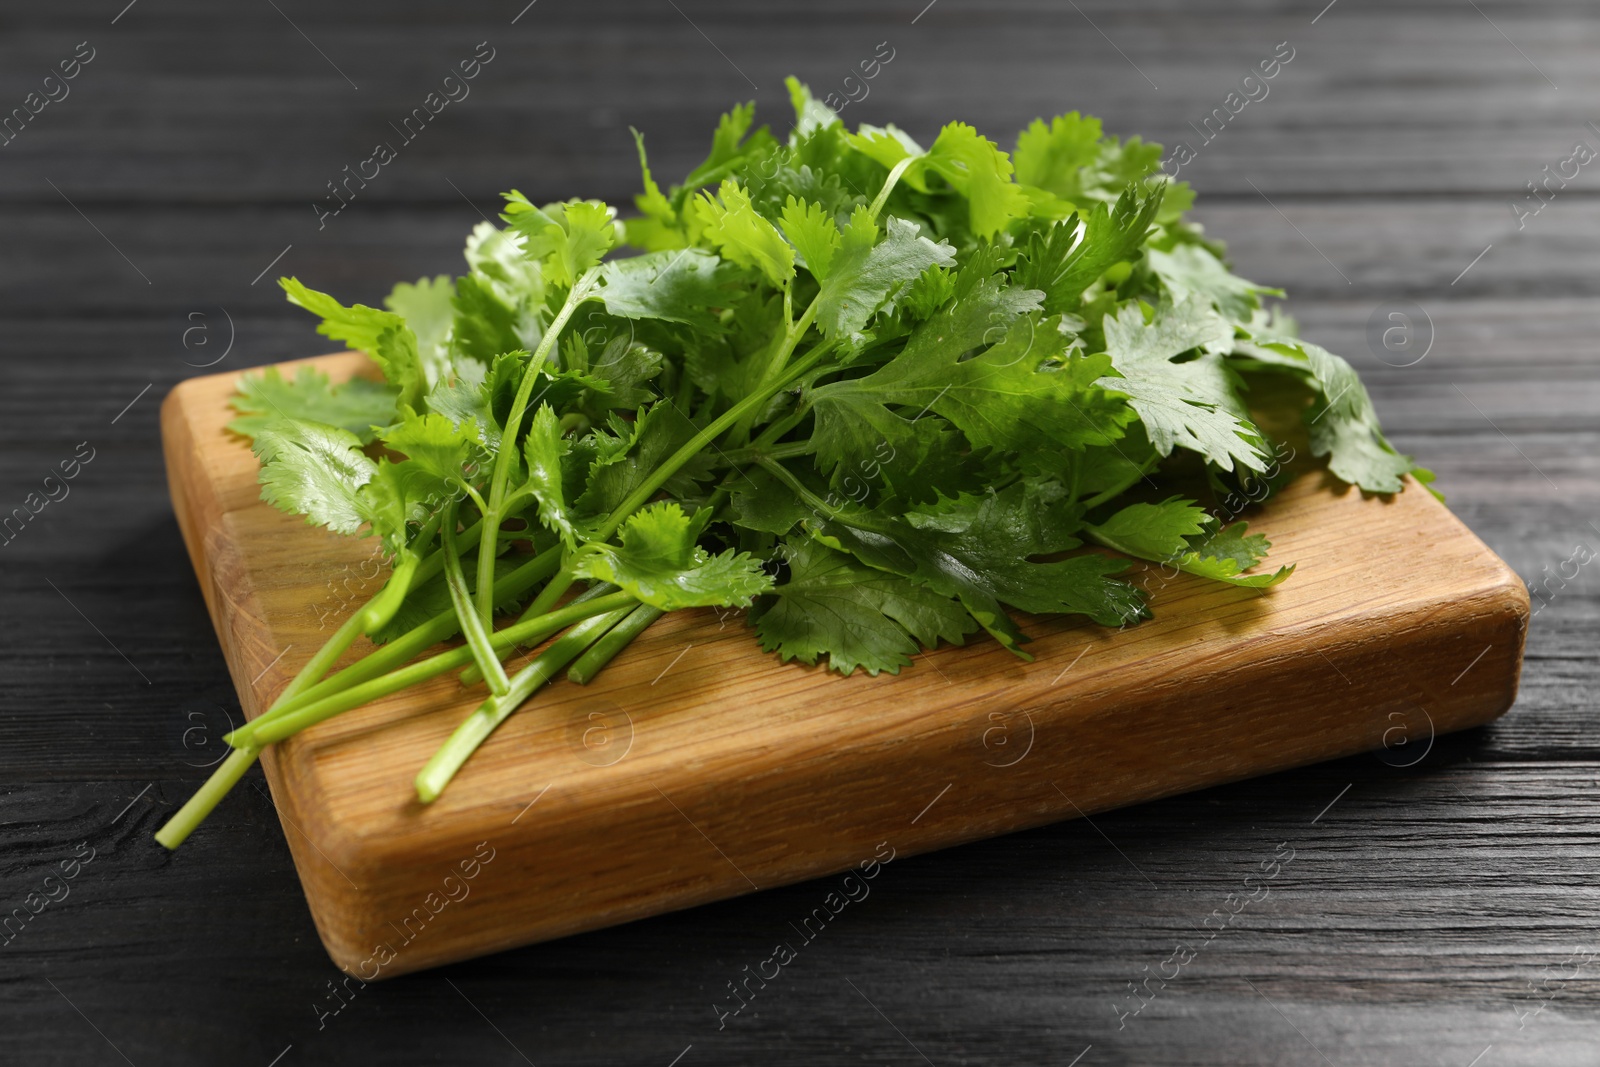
pixel 697 768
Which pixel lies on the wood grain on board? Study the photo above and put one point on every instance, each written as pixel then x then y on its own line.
pixel 697 768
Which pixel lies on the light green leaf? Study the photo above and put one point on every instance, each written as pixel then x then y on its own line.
pixel 813 233
pixel 673 286
pixel 1191 404
pixel 660 564
pixel 495 258
pixel 358 405
pixel 1072 159
pixel 398 494
pixel 450 451
pixel 566 238
pixel 357 326
pixel 1189 268
pixel 978 170
pixel 729 222
pixel 660 227
pixel 1178 533
pixel 428 308
pixel 810 114
pixel 315 470
pixel 864 279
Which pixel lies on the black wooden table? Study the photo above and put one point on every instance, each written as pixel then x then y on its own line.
pixel 1437 913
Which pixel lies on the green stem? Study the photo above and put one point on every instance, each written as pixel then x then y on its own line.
pixel 326 656
pixel 471 625
pixel 734 457
pixel 582 289
pixel 619 637
pixel 477 727
pixel 471 675
pixel 375 613
pixel 207 797
pixel 776 364
pixel 399 651
pixel 889 184
pixel 310 714
pixel 1121 487
pixel 779 427
pixel 381 608
pixel 692 447
pixel 815 502
pixel 551 593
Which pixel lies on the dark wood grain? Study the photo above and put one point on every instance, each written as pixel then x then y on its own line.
pixel 1418 909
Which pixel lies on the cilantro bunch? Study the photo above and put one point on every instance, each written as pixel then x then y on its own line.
pixel 880 394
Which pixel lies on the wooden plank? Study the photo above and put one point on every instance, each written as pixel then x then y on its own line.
pixel 1378 99
pixel 726 771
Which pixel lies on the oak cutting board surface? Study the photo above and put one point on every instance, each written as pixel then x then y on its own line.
pixel 696 767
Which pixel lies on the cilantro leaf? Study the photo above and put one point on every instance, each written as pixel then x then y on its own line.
pixel 1062 263
pixel 1178 533
pixel 1003 397
pixel 1191 404
pixel 315 470
pixel 977 169
pixel 659 563
pixel 1153 531
pixel 1344 427
pixel 358 405
pixel 566 239
pixel 658 432
pixel 1070 157
pixel 497 262
pixel 730 148
pixel 545 449
pixel 730 223
pixel 428 308
pixel 673 286
pixel 659 228
pixel 382 335
pixel 450 451
pixel 1189 268
pixel 764 504
pixel 357 326
pixel 857 616
pixel 865 277
pixel 809 113
pixel 978 549
pixel 814 234
pixel 627 367
pixel 483 326
pixel 399 494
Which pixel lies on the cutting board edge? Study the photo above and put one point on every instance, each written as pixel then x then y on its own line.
pixel 346 919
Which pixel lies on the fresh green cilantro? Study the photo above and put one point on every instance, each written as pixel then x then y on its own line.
pixel 358 405
pixel 855 615
pixel 1181 534
pixel 315 470
pixel 1193 403
pixel 658 562
pixel 884 396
